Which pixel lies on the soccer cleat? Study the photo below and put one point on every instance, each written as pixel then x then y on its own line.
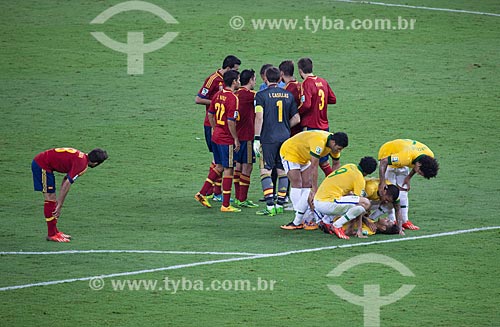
pixel 219 198
pixel 229 208
pixel 324 227
pixel 311 225
pixel 246 204
pixel 409 225
pixel 339 232
pixel 279 209
pixel 291 226
pixel 203 200
pixel 267 212
pixel 57 238
pixel 65 235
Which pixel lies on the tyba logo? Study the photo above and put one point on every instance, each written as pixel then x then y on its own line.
pixel 135 47
pixel 372 300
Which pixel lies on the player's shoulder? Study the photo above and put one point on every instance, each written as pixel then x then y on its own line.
pixel 213 78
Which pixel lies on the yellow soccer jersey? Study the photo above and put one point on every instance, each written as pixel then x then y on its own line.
pixel 371 188
pixel 300 147
pixel 343 181
pixel 403 152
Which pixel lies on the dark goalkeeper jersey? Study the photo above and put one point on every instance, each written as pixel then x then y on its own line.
pixel 278 106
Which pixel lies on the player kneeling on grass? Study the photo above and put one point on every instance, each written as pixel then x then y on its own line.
pixel 73 163
pixel 340 195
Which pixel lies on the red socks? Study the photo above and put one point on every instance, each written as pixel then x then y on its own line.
pixel 227 184
pixel 48 208
pixel 242 193
pixel 213 175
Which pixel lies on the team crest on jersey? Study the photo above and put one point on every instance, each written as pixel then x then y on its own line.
pixel 303 98
pixel 204 91
pixel 394 159
pixel 318 150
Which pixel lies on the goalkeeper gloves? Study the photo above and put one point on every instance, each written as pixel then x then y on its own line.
pixel 256 145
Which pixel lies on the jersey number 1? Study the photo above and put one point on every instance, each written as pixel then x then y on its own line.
pixel 279 104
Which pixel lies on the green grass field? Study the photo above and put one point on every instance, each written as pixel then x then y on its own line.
pixel 60 87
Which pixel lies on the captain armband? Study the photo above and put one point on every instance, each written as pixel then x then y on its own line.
pixel 259 108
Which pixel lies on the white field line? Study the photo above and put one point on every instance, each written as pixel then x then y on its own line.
pixel 420 7
pixel 124 251
pixel 257 256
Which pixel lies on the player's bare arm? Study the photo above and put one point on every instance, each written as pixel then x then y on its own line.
pixel 232 129
pixel 359 232
pixel 399 218
pixel 313 180
pixel 295 120
pixel 407 181
pixel 381 174
pixel 200 100
pixel 211 119
pixel 335 164
pixel 65 186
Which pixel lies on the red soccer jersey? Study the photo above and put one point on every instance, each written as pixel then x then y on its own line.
pixel 246 118
pixel 294 88
pixel 316 94
pixel 224 107
pixel 213 84
pixel 63 160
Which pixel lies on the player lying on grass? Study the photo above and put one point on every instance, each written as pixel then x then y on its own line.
pixel 369 227
pixel 73 163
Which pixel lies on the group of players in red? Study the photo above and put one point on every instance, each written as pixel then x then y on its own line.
pixel 230 103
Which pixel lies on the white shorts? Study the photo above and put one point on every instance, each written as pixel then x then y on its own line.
pixel 288 165
pixel 338 206
pixel 397 175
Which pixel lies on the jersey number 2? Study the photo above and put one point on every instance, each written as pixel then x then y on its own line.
pixel 220 110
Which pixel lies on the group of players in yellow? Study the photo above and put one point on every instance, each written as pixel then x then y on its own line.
pixel 339 205
pixel 347 202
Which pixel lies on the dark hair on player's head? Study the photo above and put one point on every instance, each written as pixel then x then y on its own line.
pixel 230 61
pixel 97 155
pixel 230 76
pixel 306 65
pixel 368 165
pixel 394 229
pixel 341 139
pixel 246 76
pixel 287 67
pixel 393 191
pixel 264 68
pixel 429 166
pixel 273 75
